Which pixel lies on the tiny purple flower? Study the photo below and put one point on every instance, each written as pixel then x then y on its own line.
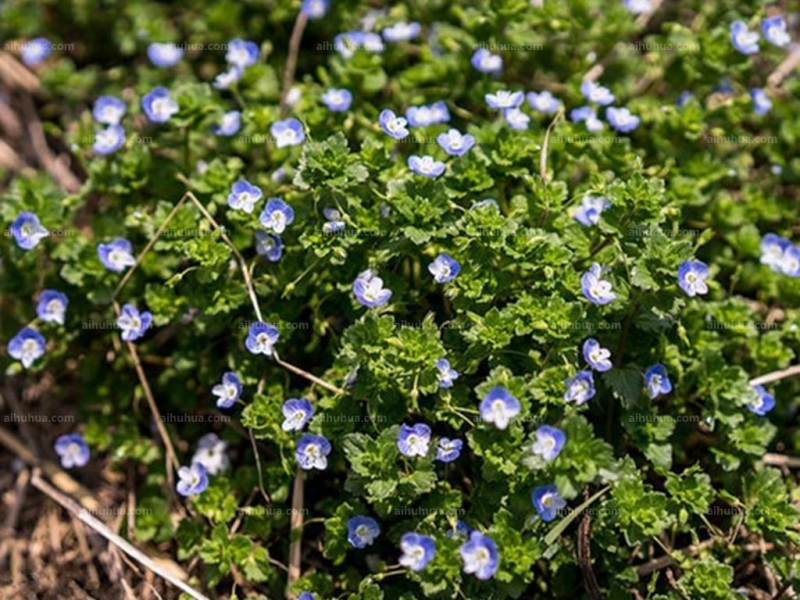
pixel 52 307
pixel 580 389
pixel 599 358
pixel 414 440
pixel 72 450
pixel 132 323
pixel 229 391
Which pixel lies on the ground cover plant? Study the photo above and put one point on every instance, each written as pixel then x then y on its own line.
pixel 445 299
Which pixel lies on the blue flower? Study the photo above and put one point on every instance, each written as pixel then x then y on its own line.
pixel 276 215
pixel 229 124
pixel 499 407
pixel 108 110
pixel 159 106
pixel 422 116
pixel 241 53
pixel 622 119
pixel 595 288
pixel 28 231
pixel 72 450
pixel 480 556
pixel 692 276
pixel 347 43
pixel 52 307
pixel 229 391
pixel 261 337
pixel 595 93
pixel 133 323
pixel 393 125
pixel 369 291
pixel 117 255
pixel 192 480
pixel 334 221
pixel 744 40
pixel 401 32
pixel 543 102
pixel 547 502
pixel 337 100
pixel 638 7
pixel 448 450
pixel 244 196
pixel 297 412
pixel 761 102
pixel 599 358
pixel 414 440
pixel 549 442
pixel 212 454
pixel 772 250
pixel 486 62
pixel 27 346
pixel 516 119
pixel 683 99
pixel 486 203
pixel 314 9
pixel 580 389
pixel 34 51
pixel 780 255
pixel 454 142
pixel 362 531
pixel 418 550
pixel 763 403
pixel 790 261
pixel 588 115
pixel 588 213
pixel 426 166
pixel 351 377
pixel 444 268
pixel 461 530
pixel 288 132
pixel 109 140
pixel 227 78
pixel 307 595
pixel 164 55
pixel 269 245
pixel 774 29
pixel 446 374
pixel 312 452
pixel 504 99
pixel 657 381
